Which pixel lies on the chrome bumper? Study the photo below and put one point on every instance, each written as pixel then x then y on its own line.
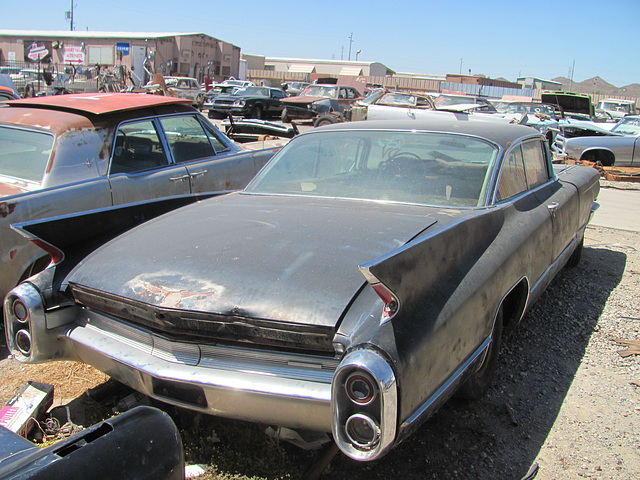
pixel 273 388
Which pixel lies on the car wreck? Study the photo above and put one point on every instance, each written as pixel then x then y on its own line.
pixel 339 292
pixel 589 141
pixel 318 99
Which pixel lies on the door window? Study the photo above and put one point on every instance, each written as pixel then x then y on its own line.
pixel 187 138
pixel 137 148
pixel 535 163
pixel 513 179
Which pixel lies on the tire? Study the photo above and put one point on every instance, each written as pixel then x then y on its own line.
pixel 284 117
pixel 480 380
pixel 256 112
pixel 325 120
pixel 575 257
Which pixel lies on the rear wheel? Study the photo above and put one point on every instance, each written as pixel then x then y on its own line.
pixel 283 116
pixel 478 383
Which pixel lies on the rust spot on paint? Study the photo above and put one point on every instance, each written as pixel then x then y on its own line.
pixel 6 209
pixel 12 253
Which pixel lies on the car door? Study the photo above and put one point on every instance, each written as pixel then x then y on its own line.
pixel 345 98
pixel 211 164
pixel 274 102
pixel 560 198
pixel 527 214
pixel 140 168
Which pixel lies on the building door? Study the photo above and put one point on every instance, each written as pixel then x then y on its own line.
pixel 137 65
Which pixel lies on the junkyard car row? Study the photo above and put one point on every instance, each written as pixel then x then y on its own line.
pixel 365 275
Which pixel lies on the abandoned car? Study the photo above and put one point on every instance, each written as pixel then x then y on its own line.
pixel 68 153
pixel 250 102
pixel 390 105
pixel 318 99
pixel 615 109
pixel 365 275
pixel 619 146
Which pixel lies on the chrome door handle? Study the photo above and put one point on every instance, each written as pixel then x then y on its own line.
pixel 181 177
pixel 198 174
pixel 553 208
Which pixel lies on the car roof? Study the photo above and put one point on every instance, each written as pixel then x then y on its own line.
pixel 97 103
pixel 504 134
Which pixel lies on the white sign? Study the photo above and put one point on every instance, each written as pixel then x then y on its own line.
pixel 73 55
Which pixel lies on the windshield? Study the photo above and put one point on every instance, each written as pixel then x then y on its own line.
pixel 253 91
pixel 628 126
pixel 24 153
pixel 412 167
pixel 444 100
pixel 319 91
pixel 402 99
pixel 616 107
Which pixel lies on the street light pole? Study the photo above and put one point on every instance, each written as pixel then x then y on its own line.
pixel 350 42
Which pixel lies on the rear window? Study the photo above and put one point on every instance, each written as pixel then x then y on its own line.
pixel 24 154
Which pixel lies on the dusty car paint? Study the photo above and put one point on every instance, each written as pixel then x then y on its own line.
pixel 285 296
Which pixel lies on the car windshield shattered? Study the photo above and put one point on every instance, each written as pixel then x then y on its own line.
pixel 628 126
pixel 410 167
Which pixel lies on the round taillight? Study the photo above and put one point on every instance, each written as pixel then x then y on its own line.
pixel 23 342
pixel 360 388
pixel 362 431
pixel 20 311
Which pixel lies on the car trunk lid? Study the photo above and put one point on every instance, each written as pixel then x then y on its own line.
pixel 233 267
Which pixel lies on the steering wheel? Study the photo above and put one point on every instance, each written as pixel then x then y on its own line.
pixel 393 165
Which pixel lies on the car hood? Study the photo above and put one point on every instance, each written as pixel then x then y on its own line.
pixel 284 259
pixel 303 100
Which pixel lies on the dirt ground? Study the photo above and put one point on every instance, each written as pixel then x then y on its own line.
pixel 565 403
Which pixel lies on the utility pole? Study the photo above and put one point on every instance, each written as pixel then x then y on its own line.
pixel 573 67
pixel 69 16
pixel 350 42
pixel 460 65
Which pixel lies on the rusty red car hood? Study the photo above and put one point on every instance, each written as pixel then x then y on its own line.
pixel 285 259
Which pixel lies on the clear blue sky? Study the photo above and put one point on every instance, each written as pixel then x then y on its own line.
pixel 500 38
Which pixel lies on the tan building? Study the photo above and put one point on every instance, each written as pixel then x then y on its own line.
pixel 332 68
pixel 185 54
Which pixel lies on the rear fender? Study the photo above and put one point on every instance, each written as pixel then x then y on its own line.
pixel 422 275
